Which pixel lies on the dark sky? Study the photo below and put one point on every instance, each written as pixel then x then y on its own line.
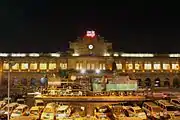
pixel 44 26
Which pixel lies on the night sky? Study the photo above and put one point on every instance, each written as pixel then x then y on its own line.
pixel 44 26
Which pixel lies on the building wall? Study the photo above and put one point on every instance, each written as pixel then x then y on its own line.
pixel 72 61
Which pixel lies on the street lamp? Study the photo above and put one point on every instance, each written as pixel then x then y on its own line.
pixel 97 71
pixel 11 63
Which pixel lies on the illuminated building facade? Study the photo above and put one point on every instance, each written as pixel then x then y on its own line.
pixel 90 53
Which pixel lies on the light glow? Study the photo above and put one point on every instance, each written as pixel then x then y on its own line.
pixel 18 54
pixel 75 54
pixel 137 55
pixel 34 55
pixel 106 54
pixel 174 55
pixel 90 47
pixel 4 54
pixel 98 71
pixel 83 71
pixel 55 54
pixel 116 54
pixel 90 33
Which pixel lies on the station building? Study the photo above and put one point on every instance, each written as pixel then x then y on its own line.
pixel 85 55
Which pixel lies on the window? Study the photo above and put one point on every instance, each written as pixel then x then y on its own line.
pixel 24 66
pixel 78 66
pixel 137 66
pixel 175 66
pixel 63 65
pixel 166 66
pixel 157 66
pixel 92 66
pixel 88 66
pixel 175 101
pixel 5 66
pixel 52 66
pixel 102 66
pixel 119 66
pixel 42 66
pixel 33 66
pixel 129 66
pixel 16 66
pixel 131 110
pixel 147 66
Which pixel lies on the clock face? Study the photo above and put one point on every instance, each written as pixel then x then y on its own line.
pixel 90 47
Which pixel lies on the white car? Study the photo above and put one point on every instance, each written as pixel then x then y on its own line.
pixel 136 112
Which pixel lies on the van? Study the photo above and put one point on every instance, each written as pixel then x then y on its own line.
pixel 152 110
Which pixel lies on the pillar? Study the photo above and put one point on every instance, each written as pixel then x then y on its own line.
pixel 1 72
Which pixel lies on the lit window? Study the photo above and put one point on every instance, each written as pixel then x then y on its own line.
pixel 33 66
pixel 92 66
pixel 102 66
pixel 16 66
pixel 166 66
pixel 137 66
pixel 119 66
pixel 24 66
pixel 42 66
pixel 88 66
pixel 129 66
pixel 63 65
pixel 52 66
pixel 78 66
pixel 157 66
pixel 5 66
pixel 175 66
pixel 147 66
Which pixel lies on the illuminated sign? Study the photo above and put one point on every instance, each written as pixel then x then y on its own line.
pixel 90 33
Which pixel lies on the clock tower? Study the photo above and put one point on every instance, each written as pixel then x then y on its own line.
pixel 90 44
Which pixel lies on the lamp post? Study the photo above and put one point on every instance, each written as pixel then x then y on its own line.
pixel 11 63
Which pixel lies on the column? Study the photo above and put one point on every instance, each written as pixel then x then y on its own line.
pixel 1 72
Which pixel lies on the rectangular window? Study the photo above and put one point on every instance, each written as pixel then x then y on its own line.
pixel 16 66
pixel 166 66
pixel 137 66
pixel 157 66
pixel 33 66
pixel 52 66
pixel 119 66
pixel 24 66
pixel 147 66
pixel 129 66
pixel 175 66
pixel 63 65
pixel 77 66
pixel 6 66
pixel 102 66
pixel 88 66
pixel 42 66
pixel 92 66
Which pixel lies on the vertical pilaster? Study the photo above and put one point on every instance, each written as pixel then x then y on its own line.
pixel 1 72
